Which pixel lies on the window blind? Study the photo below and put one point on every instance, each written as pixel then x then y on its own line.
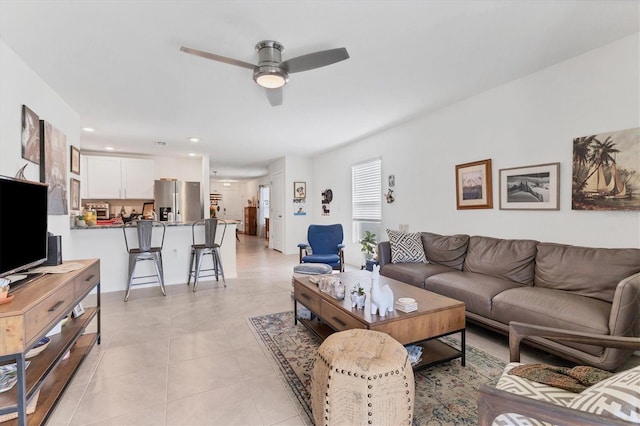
pixel 366 191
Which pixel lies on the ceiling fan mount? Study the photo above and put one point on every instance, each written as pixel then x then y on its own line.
pixel 269 73
pixel 272 72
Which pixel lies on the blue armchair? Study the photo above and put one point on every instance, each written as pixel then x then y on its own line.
pixel 325 246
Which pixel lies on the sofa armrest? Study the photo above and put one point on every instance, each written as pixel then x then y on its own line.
pixel 624 319
pixel 384 253
pixel 520 330
pixel 492 402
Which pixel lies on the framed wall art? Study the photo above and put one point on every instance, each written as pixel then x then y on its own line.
pixel 53 167
pixel 606 171
pixel 30 135
pixel 473 185
pixel 75 194
pixel 530 188
pixel 299 189
pixel 75 160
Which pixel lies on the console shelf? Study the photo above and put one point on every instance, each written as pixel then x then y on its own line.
pixel 37 308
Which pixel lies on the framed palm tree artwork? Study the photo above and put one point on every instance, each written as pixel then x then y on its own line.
pixel 606 171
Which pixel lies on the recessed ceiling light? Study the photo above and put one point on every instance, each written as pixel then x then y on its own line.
pixel 160 143
pixel 88 129
pixel 194 140
pixel 192 154
pixel 109 148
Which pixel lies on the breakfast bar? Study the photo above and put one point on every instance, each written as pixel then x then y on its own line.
pixel 106 242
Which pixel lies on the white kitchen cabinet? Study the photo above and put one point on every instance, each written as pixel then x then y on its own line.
pixel 119 178
pixel 137 178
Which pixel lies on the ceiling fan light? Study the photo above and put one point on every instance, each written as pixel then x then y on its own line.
pixel 270 81
pixel 270 77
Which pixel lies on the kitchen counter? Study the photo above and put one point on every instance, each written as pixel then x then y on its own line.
pixel 106 242
pixel 168 224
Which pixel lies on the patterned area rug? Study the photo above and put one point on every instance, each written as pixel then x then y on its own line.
pixel 446 394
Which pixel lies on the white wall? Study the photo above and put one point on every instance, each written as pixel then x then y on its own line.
pixel 297 169
pixel 20 85
pixel 185 169
pixel 529 121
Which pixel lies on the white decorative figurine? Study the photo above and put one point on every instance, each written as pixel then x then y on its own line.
pixel 381 297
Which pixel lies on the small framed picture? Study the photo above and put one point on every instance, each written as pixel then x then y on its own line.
pixel 75 194
pixel 530 188
pixel 473 185
pixel 78 310
pixel 75 160
pixel 299 189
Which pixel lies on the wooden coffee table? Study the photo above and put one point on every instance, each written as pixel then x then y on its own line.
pixel 436 316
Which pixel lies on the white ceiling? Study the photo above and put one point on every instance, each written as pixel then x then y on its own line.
pixel 118 64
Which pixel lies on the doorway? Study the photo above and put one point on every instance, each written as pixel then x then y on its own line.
pixel 264 212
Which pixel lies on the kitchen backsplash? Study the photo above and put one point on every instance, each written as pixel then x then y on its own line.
pixel 116 205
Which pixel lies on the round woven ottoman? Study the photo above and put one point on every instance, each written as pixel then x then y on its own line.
pixel 362 377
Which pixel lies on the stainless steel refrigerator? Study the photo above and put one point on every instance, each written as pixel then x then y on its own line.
pixel 178 197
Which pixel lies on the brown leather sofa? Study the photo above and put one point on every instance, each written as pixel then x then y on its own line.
pixel 590 290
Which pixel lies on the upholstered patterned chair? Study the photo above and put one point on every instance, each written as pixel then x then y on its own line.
pixel 324 246
pixel 517 401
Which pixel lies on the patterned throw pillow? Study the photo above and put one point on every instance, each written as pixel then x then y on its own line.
pixel 406 247
pixel 617 396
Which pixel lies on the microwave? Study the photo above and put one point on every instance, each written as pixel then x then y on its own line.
pixel 101 209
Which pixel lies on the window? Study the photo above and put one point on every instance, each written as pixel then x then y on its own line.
pixel 366 197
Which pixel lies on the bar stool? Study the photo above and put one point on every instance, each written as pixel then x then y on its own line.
pixel 144 251
pixel 199 250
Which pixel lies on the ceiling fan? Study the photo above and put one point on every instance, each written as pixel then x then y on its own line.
pixel 272 72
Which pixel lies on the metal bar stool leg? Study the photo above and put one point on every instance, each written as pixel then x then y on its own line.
pixel 218 262
pixel 157 262
pixel 191 259
pixel 132 267
pixel 199 256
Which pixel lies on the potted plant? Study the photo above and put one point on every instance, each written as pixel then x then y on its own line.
pixel 80 220
pixel 368 245
pixel 358 296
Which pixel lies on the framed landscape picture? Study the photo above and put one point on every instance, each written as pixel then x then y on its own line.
pixel 606 171
pixel 530 188
pixel 473 185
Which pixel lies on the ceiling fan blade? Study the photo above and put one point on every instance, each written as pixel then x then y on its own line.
pixel 274 96
pixel 218 58
pixel 315 60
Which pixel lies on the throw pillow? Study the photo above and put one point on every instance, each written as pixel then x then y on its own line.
pixel 406 247
pixel 616 396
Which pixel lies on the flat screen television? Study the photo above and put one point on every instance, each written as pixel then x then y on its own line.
pixel 23 225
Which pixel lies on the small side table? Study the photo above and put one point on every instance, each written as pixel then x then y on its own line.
pixel 370 263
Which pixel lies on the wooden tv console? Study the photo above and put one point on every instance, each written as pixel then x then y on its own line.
pixel 37 307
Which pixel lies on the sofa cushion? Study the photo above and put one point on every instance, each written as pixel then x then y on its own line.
pixel 591 272
pixel 509 259
pixel 406 247
pixel 412 273
pixel 617 396
pixel 448 250
pixel 475 290
pixel 554 308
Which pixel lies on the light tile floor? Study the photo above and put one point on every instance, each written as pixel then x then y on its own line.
pixel 191 358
